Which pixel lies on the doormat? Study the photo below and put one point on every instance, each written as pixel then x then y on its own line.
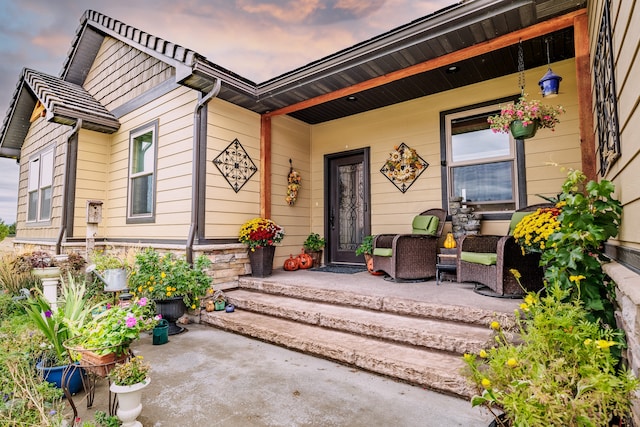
pixel 340 269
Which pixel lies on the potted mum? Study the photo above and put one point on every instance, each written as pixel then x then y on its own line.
pixel 171 282
pixel 260 235
pixel 128 380
pixel 524 117
pixel 313 246
pixel 533 231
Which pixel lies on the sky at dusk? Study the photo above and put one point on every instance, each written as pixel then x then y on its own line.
pixel 257 39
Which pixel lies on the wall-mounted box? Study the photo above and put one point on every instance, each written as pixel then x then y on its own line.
pixel 94 211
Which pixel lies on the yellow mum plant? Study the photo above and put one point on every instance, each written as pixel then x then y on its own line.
pixel 533 231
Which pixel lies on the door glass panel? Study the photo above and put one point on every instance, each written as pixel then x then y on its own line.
pixel 351 206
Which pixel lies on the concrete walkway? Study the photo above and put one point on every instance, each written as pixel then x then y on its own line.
pixel 208 377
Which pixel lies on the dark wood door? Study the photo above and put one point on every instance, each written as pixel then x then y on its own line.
pixel 347 214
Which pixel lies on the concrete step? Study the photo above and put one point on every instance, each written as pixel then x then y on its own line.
pixel 436 370
pixel 383 303
pixel 433 334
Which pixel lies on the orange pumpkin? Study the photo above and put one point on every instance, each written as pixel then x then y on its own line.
pixel 291 264
pixel 305 260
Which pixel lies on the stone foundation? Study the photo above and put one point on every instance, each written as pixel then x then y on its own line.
pixel 229 261
pixel 628 318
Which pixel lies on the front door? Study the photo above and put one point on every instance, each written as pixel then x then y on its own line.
pixel 347 214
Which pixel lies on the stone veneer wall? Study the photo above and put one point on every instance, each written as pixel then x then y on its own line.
pixel 229 261
pixel 628 318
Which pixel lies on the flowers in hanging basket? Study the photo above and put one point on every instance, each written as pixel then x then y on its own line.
pixel 527 112
pixel 403 164
pixel 533 230
pixel 260 232
pixel 293 186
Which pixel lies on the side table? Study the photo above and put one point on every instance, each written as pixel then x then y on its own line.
pixel 447 264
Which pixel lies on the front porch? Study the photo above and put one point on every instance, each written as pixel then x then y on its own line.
pixel 412 332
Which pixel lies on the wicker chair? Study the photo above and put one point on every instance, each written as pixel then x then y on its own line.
pixel 409 257
pixel 497 277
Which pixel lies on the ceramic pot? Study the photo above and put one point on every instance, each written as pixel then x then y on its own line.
pixel 70 375
pixel 262 261
pixel 129 402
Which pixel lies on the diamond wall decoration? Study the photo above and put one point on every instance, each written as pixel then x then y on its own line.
pixel 235 165
pixel 403 167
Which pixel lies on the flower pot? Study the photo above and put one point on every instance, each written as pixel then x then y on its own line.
pixel 171 309
pixel 519 131
pixel 129 402
pixel 50 277
pixel 161 332
pixel 261 260
pixel 68 375
pixel 316 256
pixel 100 364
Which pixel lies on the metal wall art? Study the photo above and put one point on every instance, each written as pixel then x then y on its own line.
pixel 235 165
pixel 403 167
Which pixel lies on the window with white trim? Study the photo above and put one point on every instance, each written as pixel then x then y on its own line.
pixel 142 173
pixel 481 165
pixel 39 187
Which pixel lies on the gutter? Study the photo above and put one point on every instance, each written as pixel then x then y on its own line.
pixel 197 158
pixel 67 184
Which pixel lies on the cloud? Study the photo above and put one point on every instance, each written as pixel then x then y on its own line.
pixel 257 39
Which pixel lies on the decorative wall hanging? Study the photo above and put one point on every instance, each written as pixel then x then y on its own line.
pixel 403 167
pixel 235 165
pixel 293 185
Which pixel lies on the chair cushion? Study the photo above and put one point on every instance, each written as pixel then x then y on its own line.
pixel 515 219
pixel 479 258
pixel 383 251
pixel 425 224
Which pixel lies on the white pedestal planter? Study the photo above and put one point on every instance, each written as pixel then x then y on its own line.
pixel 50 277
pixel 129 402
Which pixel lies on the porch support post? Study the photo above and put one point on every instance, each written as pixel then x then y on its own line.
pixel 265 166
pixel 585 108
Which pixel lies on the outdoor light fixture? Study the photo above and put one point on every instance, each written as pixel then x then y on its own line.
pixel 550 82
pixel 452 69
pixel 351 98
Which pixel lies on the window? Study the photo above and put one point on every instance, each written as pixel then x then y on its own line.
pixel 40 186
pixel 142 173
pixel 481 165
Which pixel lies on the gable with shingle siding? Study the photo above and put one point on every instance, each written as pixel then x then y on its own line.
pixel 121 73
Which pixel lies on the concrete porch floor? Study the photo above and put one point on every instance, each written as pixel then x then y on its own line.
pixel 207 376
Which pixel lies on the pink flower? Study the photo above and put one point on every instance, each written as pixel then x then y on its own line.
pixel 131 321
pixel 142 301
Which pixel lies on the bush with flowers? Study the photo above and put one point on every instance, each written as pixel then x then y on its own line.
pixel 560 371
pixel 533 231
pixel 260 232
pixel 527 112
pixel 133 371
pixel 160 276
pixel 115 328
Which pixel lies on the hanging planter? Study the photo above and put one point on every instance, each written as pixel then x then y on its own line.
pixel 524 118
pixel 521 130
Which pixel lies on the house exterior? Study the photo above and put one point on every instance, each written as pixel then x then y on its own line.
pixel 143 142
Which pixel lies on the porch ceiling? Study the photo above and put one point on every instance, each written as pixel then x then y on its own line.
pixel 458 27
